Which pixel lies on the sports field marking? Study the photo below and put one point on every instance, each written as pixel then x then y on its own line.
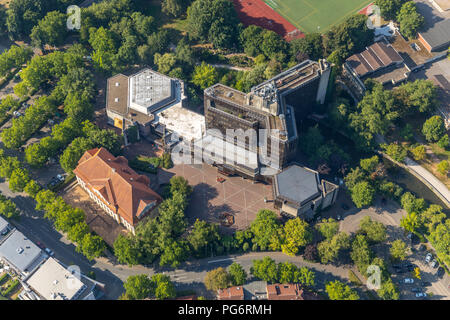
pixel 308 15
pixel 272 4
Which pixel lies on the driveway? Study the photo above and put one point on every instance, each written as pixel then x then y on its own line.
pixel 390 214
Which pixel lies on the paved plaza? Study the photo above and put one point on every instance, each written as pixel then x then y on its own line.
pixel 236 196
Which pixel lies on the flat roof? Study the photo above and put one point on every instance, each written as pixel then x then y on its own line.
pixel 188 124
pixel 438 35
pixel 3 224
pixel 19 250
pixel 150 90
pixel 54 282
pixel 298 184
pixel 117 94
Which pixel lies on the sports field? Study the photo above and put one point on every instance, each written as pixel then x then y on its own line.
pixel 316 15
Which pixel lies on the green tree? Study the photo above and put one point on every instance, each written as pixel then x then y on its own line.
pixel 172 8
pixel 202 235
pixel 443 167
pixel 238 276
pixel 389 8
pixel 311 45
pixel 329 249
pixel 388 291
pixel 419 152
pixel 410 20
pixel 217 279
pixel 434 128
pixel 126 251
pixel 91 246
pixel 7 208
pixel 205 76
pixel 32 188
pixel 328 228
pixel 410 222
pixel 337 290
pixel 138 287
pixel 374 230
pixel 265 230
pixel 362 194
pixel 265 269
pixel 444 142
pixel 296 234
pixel 214 21
pixel 395 151
pixel 162 287
pixel 19 179
pixel 51 30
pixel 398 250
pixel 165 62
pixel 361 253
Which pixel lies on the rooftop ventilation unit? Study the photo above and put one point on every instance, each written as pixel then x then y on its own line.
pixel 19 250
pixel 117 84
pixel 116 99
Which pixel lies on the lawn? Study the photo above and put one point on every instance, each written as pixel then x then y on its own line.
pixel 316 16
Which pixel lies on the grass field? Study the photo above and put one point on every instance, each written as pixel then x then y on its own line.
pixel 316 15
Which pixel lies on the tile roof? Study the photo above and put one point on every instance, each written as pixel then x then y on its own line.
pixel 120 186
pixel 232 293
pixel 289 292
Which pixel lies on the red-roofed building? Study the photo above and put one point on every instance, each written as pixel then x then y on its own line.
pixel 289 292
pixel 232 293
pixel 114 186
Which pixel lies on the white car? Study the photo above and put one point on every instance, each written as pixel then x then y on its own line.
pixel 49 252
pixel 421 295
pixel 408 280
pixel 434 263
pixel 428 257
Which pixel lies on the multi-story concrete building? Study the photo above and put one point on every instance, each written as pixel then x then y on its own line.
pixel 299 192
pixel 153 102
pixel 276 105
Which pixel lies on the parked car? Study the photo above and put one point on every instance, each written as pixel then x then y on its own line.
pixel 408 280
pixel 428 257
pixel 426 284
pixel 440 273
pixel 49 252
pixel 434 263
pixel 421 295
pixel 416 290
pixel 40 245
pixel 422 247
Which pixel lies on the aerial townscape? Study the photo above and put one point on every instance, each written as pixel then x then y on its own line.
pixel 224 150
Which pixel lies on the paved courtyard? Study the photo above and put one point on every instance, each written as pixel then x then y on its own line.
pixel 236 196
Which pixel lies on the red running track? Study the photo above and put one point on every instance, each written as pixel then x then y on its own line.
pixel 257 12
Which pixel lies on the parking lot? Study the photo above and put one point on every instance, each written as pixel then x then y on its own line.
pixel 389 213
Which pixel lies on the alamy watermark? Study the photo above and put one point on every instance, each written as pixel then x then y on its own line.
pixel 249 148
pixel 374 279
pixel 74 17
pixel 374 19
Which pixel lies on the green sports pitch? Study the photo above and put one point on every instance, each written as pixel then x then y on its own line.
pixel 316 15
